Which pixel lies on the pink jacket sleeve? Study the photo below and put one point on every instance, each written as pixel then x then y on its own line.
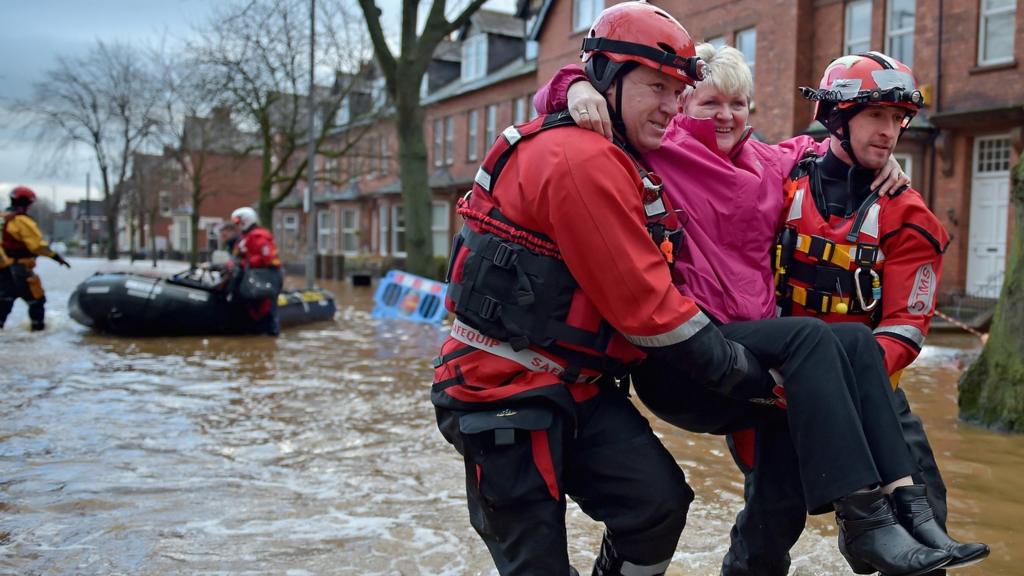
pixel 553 95
pixel 791 151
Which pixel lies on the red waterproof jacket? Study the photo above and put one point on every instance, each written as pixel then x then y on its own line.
pixel 584 194
pixel 909 241
pixel 256 249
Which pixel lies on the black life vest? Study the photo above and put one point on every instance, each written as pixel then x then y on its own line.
pixel 512 283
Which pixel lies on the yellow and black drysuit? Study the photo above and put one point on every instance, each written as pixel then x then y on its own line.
pixel 20 244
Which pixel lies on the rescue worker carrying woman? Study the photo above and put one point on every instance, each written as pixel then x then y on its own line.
pixel 524 386
pixel 20 244
pixel 523 455
pixel 847 254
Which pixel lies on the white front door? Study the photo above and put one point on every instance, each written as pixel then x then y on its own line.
pixel 990 198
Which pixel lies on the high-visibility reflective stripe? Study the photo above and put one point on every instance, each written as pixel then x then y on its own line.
pixel 512 135
pixel 912 333
pixel 870 225
pixel 529 359
pixel 680 333
pixel 483 179
pixel 795 208
pixel 630 569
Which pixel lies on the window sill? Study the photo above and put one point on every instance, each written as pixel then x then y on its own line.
pixel 983 68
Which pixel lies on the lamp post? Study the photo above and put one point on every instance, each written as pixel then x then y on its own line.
pixel 311 159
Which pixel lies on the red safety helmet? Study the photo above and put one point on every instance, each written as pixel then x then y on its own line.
pixel 642 33
pixel 22 195
pixel 869 79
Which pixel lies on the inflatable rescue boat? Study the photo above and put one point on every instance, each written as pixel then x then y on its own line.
pixel 189 303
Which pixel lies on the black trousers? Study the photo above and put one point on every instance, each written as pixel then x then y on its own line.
pixel 773 516
pixel 18 281
pixel 842 411
pixel 604 456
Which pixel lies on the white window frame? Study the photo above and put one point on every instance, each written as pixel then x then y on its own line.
pixel 383 228
pixel 290 223
pixel 440 228
pixel 397 231
pixel 992 155
pixel 906 162
pixel 472 134
pixel 584 12
pixel 490 125
pixel 894 33
pixel 164 200
pixel 449 140
pixel 848 42
pixel 751 59
pixel 1008 12
pixel 474 57
pixel 438 142
pixel 348 231
pixel 325 231
pixel 519 114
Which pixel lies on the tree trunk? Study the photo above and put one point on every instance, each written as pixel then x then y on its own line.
pixel 193 222
pixel 110 205
pixel 412 154
pixel 992 389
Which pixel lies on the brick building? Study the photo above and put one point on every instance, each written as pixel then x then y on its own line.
pixel 958 150
pixel 159 201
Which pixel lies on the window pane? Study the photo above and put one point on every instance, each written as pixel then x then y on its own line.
pixel 471 135
pixel 717 41
pixel 994 4
pixel 858 26
pixel 437 142
pixel 449 140
pixel 900 33
pixel 998 39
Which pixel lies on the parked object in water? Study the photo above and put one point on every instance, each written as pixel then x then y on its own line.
pixel 189 303
pixel 409 297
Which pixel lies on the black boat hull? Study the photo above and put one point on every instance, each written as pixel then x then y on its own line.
pixel 132 305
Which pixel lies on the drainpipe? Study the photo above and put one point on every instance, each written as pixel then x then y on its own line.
pixel 936 108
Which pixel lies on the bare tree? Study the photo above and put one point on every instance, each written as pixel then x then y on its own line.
pixel 105 101
pixel 403 74
pixel 258 51
pixel 195 125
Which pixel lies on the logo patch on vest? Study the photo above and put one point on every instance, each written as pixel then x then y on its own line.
pixel 923 292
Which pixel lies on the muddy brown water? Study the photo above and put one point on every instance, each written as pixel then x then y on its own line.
pixel 316 453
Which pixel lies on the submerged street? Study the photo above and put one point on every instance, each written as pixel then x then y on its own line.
pixel 317 453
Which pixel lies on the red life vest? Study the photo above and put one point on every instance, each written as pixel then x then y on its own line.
pixel 830 268
pixel 15 248
pixel 511 284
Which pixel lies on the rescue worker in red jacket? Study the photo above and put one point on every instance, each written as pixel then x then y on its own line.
pixel 557 289
pixel 256 249
pixel 20 244
pixel 847 255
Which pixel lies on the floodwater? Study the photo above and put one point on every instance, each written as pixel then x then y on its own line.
pixel 316 453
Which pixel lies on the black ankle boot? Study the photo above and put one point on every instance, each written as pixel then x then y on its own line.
pixel 916 516
pixel 872 540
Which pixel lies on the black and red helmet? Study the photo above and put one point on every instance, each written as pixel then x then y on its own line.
pixel 641 33
pixel 22 195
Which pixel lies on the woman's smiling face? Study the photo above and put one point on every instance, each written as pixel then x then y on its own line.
pixel 729 112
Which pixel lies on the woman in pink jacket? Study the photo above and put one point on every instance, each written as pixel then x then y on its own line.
pixel 732 214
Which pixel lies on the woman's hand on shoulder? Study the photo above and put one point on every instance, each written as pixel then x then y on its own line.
pixel 890 179
pixel 589 109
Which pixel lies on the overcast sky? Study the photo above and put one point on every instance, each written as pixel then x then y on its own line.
pixel 34 33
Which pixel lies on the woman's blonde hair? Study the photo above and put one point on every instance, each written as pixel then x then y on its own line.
pixel 728 68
